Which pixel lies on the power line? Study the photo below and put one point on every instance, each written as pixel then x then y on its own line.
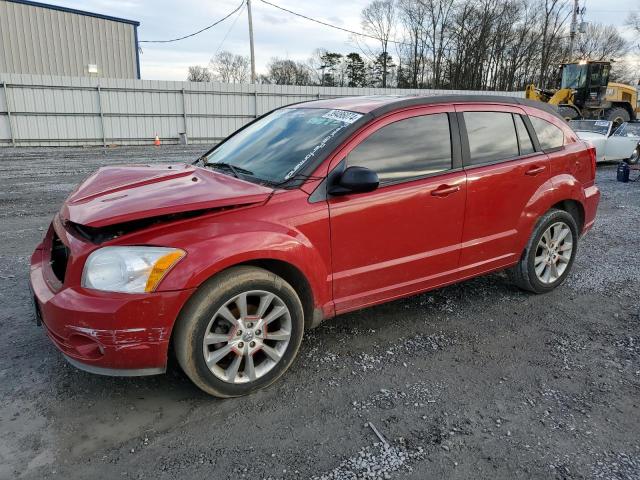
pixel 199 31
pixel 233 24
pixel 329 24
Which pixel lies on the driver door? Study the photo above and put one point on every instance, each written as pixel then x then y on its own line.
pixel 403 237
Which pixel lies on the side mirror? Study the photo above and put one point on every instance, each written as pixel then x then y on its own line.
pixel 355 180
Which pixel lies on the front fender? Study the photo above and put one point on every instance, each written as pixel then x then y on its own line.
pixel 209 256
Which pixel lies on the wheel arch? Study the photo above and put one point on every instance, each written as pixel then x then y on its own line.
pixel 293 275
pixel 297 279
pixel 573 208
pixel 626 106
pixel 562 192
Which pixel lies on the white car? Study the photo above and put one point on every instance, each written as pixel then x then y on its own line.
pixel 622 144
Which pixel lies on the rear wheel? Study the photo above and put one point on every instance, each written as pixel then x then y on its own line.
pixel 240 332
pixel 635 156
pixel 617 115
pixel 549 254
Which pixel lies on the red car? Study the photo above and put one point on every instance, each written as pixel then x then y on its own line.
pixel 308 212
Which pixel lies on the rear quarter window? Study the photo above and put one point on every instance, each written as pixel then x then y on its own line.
pixel 549 136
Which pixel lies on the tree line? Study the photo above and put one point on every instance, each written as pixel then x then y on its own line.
pixel 445 44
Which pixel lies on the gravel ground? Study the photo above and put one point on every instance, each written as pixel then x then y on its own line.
pixel 477 380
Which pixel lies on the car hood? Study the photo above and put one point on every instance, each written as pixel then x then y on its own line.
pixel 121 194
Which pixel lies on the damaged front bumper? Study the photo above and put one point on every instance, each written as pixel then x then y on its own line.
pixel 105 333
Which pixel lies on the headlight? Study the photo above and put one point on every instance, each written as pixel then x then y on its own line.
pixel 129 269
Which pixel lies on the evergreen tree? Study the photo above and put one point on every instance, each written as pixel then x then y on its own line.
pixel 330 69
pixel 356 72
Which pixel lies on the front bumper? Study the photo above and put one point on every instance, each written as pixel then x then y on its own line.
pixel 106 333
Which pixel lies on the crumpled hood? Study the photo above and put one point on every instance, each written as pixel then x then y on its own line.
pixel 120 194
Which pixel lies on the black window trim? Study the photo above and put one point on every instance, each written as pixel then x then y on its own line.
pixel 466 151
pixel 320 193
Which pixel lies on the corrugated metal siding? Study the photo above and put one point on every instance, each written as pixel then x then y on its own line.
pixel 52 110
pixel 50 42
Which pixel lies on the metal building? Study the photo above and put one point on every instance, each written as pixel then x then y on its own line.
pixel 42 39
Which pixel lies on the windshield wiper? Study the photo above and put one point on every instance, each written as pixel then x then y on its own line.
pixel 235 171
pixel 297 176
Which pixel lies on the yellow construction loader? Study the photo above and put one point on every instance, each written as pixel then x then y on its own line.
pixel 585 92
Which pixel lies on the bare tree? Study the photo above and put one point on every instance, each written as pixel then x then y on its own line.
pixel 463 44
pixel 198 74
pixel 554 22
pixel 287 72
pixel 602 42
pixel 438 13
pixel 633 21
pixel 228 67
pixel 624 72
pixel 378 20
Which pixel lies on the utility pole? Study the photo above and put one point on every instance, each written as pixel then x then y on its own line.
pixel 253 56
pixel 574 28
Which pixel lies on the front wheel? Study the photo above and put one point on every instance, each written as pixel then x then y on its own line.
pixel 549 254
pixel 240 332
pixel 635 156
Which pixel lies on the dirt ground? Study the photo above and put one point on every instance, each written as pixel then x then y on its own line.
pixel 477 380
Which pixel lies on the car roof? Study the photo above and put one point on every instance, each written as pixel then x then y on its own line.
pixel 377 105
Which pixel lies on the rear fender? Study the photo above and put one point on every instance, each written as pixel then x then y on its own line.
pixel 554 190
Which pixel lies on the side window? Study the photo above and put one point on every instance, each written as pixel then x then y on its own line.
pixel 406 149
pixel 526 146
pixel 548 134
pixel 492 136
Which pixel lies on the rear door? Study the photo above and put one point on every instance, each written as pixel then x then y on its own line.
pixel 504 170
pixel 405 236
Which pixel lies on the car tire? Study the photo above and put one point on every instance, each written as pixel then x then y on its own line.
pixel 635 156
pixel 568 113
pixel 255 350
pixel 542 269
pixel 617 115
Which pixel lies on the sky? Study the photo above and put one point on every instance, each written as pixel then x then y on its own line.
pixel 276 33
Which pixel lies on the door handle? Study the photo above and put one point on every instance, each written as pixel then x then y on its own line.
pixel 445 190
pixel 535 170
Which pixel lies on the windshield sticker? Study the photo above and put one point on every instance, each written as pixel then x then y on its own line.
pixel 342 116
pixel 602 123
pixel 315 150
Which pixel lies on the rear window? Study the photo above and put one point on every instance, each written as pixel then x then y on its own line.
pixel 549 136
pixel 492 136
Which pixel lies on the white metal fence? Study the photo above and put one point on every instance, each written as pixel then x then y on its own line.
pixel 61 111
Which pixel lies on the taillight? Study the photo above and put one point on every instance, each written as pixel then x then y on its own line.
pixel 592 154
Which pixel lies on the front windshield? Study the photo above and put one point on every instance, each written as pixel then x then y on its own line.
pixel 628 130
pixel 574 76
pixel 595 126
pixel 274 148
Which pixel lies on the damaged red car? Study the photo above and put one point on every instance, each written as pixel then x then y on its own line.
pixel 308 212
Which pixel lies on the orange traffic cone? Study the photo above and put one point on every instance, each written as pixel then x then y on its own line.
pixel 156 142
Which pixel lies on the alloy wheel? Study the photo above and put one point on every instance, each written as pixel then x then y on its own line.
pixel 553 252
pixel 247 336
